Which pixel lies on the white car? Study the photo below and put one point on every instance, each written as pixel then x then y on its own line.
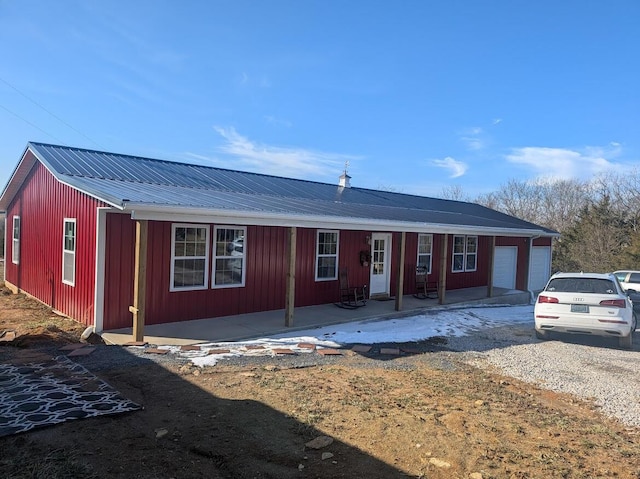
pixel 585 303
pixel 629 280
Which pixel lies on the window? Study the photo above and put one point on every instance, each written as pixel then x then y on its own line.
pixel 425 249
pixel 326 255
pixel 69 252
pixel 229 260
pixel 15 249
pixel 189 257
pixel 465 253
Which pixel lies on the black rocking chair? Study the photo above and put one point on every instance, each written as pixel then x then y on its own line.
pixel 351 297
pixel 425 289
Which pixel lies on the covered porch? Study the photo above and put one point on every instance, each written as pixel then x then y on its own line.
pixel 267 323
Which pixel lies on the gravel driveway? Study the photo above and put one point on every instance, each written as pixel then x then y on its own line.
pixel 588 367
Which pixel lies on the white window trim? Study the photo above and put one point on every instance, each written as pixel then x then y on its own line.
pixel 318 256
pixel 66 251
pixel 464 254
pixel 15 242
pixel 174 257
pixel 241 284
pixel 430 253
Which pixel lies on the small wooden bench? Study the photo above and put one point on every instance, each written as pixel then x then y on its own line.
pixel 424 288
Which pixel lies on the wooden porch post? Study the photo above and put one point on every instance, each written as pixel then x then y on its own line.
pixel 400 278
pixel 442 282
pixel 139 280
pixel 291 279
pixel 492 254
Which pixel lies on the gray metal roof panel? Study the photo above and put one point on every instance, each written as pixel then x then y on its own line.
pixel 115 178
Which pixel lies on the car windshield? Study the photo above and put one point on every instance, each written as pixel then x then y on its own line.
pixel 582 285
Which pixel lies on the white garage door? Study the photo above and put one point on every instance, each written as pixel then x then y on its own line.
pixel 504 267
pixel 539 268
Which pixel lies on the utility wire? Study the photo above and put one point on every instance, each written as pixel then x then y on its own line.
pixel 35 126
pixel 49 112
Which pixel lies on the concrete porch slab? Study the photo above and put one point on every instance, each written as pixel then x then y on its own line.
pixel 269 323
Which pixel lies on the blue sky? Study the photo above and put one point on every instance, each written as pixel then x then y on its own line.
pixel 416 95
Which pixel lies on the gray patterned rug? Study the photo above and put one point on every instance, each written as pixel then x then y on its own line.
pixel 52 392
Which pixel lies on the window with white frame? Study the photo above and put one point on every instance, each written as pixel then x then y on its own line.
pixel 15 248
pixel 326 255
pixel 425 250
pixel 465 253
pixel 189 257
pixel 229 264
pixel 69 252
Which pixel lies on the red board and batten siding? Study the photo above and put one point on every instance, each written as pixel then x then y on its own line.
pixel 42 204
pixel 266 269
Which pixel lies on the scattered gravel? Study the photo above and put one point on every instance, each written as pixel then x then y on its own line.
pixel 590 368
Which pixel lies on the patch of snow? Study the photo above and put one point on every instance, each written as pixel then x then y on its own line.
pixel 442 322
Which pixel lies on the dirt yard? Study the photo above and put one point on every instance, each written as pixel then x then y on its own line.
pixel 428 415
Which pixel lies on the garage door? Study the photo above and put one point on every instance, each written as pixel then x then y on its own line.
pixel 504 267
pixel 540 266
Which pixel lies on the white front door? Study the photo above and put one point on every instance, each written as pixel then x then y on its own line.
pixel 380 264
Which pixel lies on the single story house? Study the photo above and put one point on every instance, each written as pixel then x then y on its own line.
pixel 113 240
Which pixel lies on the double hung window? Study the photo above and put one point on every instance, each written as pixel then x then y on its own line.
pixel 189 257
pixel 229 257
pixel 69 252
pixel 15 245
pixel 425 251
pixel 326 255
pixel 465 253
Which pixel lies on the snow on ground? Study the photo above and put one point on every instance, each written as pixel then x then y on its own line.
pixel 440 322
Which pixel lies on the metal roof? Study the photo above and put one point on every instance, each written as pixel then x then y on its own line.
pixel 129 182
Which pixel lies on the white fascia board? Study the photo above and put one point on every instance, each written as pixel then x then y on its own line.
pixel 259 218
pixel 17 178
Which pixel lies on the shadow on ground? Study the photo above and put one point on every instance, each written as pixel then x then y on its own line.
pixel 185 432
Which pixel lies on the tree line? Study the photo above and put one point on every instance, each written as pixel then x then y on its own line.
pixel 598 220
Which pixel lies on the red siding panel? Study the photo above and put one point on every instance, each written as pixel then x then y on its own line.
pixel 42 205
pixel 266 268
pixel 119 268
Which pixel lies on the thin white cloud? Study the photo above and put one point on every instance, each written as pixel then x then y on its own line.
pixel 473 138
pixel 245 80
pixel 564 163
pixel 280 161
pixel 457 168
pixel 272 120
pixel 496 121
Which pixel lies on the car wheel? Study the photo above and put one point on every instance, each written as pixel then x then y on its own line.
pixel 543 334
pixel 626 342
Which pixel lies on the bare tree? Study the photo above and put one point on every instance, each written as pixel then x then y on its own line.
pixel 596 242
pixel 624 191
pixel 454 192
pixel 554 204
